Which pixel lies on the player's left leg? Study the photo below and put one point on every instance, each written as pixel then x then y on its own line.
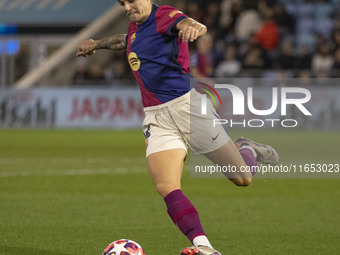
pixel 262 152
pixel 242 161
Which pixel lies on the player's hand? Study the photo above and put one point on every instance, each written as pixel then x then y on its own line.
pixel 188 34
pixel 86 48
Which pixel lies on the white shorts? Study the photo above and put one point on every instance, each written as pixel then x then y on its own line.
pixel 179 124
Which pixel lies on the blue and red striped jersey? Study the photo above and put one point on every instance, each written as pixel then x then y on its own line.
pixel 159 58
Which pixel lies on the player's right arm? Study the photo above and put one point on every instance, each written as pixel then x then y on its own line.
pixel 89 47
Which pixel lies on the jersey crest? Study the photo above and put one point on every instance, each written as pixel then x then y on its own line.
pixel 133 38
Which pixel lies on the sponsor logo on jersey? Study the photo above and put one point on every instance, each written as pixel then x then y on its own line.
pixel 173 13
pixel 134 61
pixel 133 38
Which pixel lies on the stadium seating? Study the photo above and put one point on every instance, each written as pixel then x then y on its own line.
pixel 305 10
pixel 323 10
pixel 324 27
pixel 305 26
pixel 308 40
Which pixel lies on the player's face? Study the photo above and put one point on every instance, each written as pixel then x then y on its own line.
pixel 137 10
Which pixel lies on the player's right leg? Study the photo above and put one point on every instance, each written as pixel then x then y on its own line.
pixel 166 151
pixel 201 250
pixel 165 168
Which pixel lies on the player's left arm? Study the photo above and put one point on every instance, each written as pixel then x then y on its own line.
pixel 189 29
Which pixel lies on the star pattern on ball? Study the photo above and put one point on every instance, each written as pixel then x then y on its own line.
pixel 139 253
pixel 120 248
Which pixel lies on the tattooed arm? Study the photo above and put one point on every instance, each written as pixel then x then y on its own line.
pixel 189 29
pixel 89 47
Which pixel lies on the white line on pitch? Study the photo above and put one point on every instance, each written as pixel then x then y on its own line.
pixel 98 171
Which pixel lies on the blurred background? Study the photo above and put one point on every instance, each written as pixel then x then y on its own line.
pixel 275 39
pixel 73 191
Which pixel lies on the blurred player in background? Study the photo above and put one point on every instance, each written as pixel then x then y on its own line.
pixel 157 50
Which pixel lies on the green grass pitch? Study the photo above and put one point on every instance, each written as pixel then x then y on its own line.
pixel 74 192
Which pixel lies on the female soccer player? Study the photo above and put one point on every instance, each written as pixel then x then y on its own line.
pixel 157 50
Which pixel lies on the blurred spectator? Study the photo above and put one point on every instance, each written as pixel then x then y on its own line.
pixel 230 9
pixel 258 4
pixel 336 39
pixel 195 11
pixel 268 35
pixel 305 74
pixel 285 21
pixel 115 71
pixel 323 79
pixel 180 5
pixel 118 70
pixel 211 18
pixel 304 77
pixel 322 61
pixel 303 58
pixel 247 23
pixel 81 75
pixel 229 66
pixel 286 58
pixel 85 74
pixel 96 73
pixel 336 18
pixel 254 59
pixel 336 64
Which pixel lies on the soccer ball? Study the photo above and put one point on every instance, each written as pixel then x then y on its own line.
pixel 124 247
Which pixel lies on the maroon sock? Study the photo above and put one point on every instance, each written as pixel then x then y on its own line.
pixel 250 160
pixel 184 214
